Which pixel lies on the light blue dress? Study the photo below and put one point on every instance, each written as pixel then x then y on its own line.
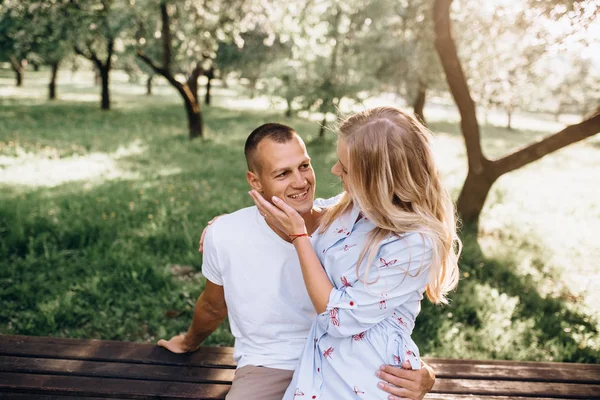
pixel 364 326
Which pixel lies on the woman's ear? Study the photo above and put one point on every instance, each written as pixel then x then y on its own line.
pixel 254 181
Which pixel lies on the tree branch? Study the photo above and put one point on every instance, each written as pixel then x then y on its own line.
pixel 161 71
pixel 446 49
pixel 166 37
pixel 90 56
pixel 571 134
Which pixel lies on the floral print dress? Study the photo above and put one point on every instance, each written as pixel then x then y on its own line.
pixel 364 325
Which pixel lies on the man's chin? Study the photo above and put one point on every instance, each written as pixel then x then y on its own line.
pixel 303 208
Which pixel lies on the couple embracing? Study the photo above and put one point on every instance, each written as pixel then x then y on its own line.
pixel 322 296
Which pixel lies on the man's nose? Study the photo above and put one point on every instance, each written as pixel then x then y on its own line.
pixel 299 180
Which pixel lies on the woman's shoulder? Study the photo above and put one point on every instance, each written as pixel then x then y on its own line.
pixel 420 241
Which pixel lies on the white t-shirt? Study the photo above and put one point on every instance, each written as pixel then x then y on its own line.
pixel 270 312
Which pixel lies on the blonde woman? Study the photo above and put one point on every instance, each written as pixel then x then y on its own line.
pixel 389 239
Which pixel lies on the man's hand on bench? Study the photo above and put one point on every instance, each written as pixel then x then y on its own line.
pixel 404 383
pixel 177 344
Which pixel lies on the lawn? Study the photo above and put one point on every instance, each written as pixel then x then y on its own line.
pixel 100 215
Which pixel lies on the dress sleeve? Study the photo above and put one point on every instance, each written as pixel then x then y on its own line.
pixel 399 274
pixel 210 265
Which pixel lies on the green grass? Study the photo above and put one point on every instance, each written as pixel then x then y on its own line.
pixel 112 253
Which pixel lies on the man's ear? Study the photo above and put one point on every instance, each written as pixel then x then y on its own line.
pixel 253 181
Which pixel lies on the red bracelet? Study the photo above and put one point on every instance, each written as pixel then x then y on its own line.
pixel 294 237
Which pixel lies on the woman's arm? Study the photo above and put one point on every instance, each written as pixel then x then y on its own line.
pixel 316 280
pixel 289 221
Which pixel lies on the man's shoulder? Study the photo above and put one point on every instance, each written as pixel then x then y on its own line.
pixel 235 222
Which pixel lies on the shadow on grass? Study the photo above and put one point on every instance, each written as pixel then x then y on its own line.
pixel 530 327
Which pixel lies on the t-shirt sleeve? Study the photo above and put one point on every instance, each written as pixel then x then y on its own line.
pixel 210 264
pixel 327 202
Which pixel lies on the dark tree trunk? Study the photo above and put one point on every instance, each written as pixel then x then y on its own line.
pixel 36 67
pixel 322 127
pixel 18 65
pixel 472 196
pixel 149 85
pixel 210 74
pixel 19 76
pixel 52 85
pixel 207 95
pixel 104 75
pixel 194 118
pixel 419 103
pixel 288 110
pixel 509 123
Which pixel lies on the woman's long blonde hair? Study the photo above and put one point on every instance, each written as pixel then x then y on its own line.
pixel 393 179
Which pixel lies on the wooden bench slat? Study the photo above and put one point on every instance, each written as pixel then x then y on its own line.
pixel 115 370
pixel 37 396
pixel 106 350
pixel 107 387
pixel 445 396
pixel 516 388
pixel 29 396
pixel 545 372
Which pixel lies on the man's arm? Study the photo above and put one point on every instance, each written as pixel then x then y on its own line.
pixel 209 312
pixel 404 383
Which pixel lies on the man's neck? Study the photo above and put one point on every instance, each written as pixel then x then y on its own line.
pixel 311 220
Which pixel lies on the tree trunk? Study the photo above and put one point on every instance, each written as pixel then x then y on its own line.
pixel 52 85
pixel 509 123
pixel 210 74
pixel 419 103
pixel 322 127
pixel 149 85
pixel 207 95
pixel 104 75
pixel 36 67
pixel 288 110
pixel 97 77
pixel 472 197
pixel 19 76
pixel 194 118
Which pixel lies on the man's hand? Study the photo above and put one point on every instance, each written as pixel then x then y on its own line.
pixel 201 244
pixel 404 383
pixel 177 344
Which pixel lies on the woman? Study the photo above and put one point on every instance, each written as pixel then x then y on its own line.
pixel 390 238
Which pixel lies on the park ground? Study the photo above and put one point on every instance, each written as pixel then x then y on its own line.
pixel 100 215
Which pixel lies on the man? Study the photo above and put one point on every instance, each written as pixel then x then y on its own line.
pixel 253 275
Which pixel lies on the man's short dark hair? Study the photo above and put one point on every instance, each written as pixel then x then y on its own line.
pixel 276 132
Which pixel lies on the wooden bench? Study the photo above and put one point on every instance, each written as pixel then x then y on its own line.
pixel 50 369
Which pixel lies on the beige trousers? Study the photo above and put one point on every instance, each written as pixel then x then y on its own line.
pixel 259 383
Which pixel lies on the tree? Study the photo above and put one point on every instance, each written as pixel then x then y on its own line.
pixel 188 32
pixel 15 42
pixel 482 172
pixel 333 56
pixel 101 27
pixel 52 31
pixel 402 53
pixel 251 55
